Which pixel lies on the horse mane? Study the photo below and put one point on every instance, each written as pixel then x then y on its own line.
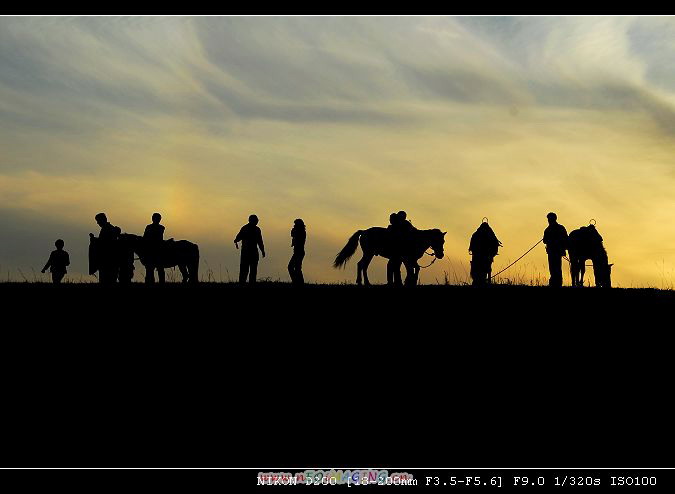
pixel 434 231
pixel 130 236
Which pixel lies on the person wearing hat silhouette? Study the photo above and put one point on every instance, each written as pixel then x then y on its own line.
pixel 250 237
pixel 58 260
pixel 555 238
pixel 298 236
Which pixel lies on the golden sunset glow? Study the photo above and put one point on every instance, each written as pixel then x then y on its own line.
pixel 339 121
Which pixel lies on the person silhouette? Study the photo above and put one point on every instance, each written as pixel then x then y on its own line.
pixel 152 239
pixel 399 228
pixel 58 260
pixel 394 262
pixel 404 222
pixel 483 249
pixel 299 235
pixel 108 255
pixel 250 237
pixel 555 238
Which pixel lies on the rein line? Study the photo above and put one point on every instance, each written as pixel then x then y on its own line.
pixel 432 261
pixel 526 253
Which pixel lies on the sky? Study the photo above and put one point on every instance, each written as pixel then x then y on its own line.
pixel 339 121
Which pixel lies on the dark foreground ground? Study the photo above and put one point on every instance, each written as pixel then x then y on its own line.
pixel 328 376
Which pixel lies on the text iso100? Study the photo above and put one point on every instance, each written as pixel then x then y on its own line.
pixel 630 481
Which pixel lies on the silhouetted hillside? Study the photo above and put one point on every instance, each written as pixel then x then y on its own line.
pixel 218 374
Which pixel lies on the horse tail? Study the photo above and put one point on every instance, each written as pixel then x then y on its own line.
pixel 193 266
pixel 348 251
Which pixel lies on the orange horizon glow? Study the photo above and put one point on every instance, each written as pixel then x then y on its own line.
pixel 340 121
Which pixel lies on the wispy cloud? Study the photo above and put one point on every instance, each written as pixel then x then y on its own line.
pixel 339 121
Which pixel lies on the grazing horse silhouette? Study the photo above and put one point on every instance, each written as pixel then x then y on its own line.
pixel 586 243
pixel 181 253
pixel 377 241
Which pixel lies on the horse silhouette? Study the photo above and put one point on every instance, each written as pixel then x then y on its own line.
pixel 378 241
pixel 586 243
pixel 181 253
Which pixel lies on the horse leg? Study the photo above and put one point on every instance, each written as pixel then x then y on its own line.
pixel 193 264
pixel 582 271
pixel 193 271
pixel 574 271
pixel 364 262
pixel 411 274
pixel 149 273
pixel 184 272
pixel 359 267
pixel 397 272
pixel 390 272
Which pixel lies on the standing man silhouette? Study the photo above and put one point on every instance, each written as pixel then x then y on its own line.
pixel 394 263
pixel 107 248
pixel 299 235
pixel 555 238
pixel 250 237
pixel 400 228
pixel 153 238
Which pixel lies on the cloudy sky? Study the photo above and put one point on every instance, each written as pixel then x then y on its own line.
pixel 339 121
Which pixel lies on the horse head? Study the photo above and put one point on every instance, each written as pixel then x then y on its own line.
pixel 130 240
pixel 602 270
pixel 131 243
pixel 437 240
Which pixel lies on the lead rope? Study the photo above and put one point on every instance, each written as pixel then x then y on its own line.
pixel 432 261
pixel 526 253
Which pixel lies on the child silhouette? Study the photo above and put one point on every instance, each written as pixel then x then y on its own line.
pixel 58 260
